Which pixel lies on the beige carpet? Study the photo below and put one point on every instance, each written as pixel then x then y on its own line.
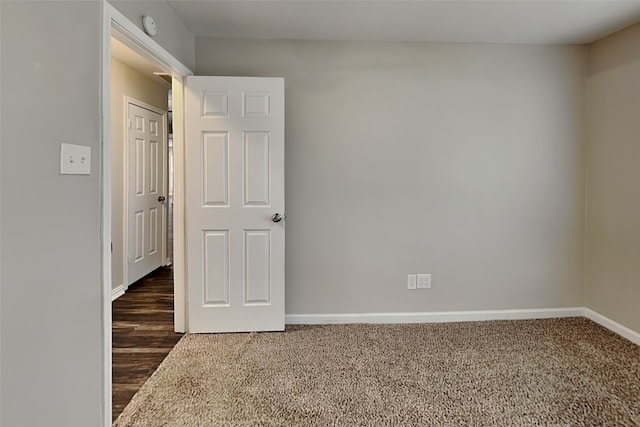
pixel 559 372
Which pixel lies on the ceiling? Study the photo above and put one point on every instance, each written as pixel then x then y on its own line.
pixel 458 21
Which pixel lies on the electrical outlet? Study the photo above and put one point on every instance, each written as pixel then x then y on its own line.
pixel 424 281
pixel 75 159
pixel 411 281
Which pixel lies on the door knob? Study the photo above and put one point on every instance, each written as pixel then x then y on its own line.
pixel 161 198
pixel 276 217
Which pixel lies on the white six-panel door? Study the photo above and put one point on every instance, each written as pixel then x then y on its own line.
pixel 146 209
pixel 234 161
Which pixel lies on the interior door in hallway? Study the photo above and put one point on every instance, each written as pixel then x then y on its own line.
pixel 146 207
pixel 234 162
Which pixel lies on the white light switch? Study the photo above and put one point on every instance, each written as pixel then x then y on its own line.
pixel 411 281
pixel 75 159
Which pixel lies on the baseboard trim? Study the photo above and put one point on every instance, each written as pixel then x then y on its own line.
pixel 435 317
pixel 117 292
pixel 613 326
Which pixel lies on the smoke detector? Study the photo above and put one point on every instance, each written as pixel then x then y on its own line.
pixel 149 25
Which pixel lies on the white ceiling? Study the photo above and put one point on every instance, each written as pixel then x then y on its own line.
pixel 479 21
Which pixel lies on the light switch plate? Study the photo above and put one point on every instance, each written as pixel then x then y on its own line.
pixel 411 281
pixel 75 159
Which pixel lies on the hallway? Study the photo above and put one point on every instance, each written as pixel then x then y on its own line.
pixel 143 334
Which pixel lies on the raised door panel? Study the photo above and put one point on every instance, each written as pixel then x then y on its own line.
pixel 215 254
pixel 256 168
pixel 257 262
pixel 215 168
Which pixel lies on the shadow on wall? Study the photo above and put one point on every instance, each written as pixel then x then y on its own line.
pixel 622 49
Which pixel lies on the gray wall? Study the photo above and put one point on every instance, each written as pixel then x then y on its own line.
pixel 50 233
pixel 125 81
pixel 464 161
pixel 172 33
pixel 51 358
pixel 612 285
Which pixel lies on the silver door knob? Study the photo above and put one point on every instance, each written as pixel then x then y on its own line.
pixel 276 217
pixel 161 198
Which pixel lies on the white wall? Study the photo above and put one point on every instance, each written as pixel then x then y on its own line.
pixel 172 33
pixel 125 81
pixel 464 161
pixel 612 285
pixel 51 358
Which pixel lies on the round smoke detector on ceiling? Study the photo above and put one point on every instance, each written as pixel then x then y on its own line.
pixel 149 25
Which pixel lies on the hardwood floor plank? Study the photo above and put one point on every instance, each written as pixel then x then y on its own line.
pixel 142 333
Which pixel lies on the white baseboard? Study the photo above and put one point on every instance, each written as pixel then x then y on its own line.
pixel 117 292
pixel 464 316
pixel 613 326
pixel 435 317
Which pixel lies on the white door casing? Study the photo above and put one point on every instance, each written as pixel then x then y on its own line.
pixel 146 178
pixel 234 163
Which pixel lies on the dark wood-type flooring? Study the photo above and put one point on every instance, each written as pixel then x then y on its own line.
pixel 142 334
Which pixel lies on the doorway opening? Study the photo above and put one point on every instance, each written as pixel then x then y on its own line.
pixel 118 27
pixel 142 325
pixel 140 130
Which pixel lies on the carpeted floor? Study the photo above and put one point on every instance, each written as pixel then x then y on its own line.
pixel 556 372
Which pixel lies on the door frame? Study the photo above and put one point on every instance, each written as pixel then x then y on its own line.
pixel 120 27
pixel 128 101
